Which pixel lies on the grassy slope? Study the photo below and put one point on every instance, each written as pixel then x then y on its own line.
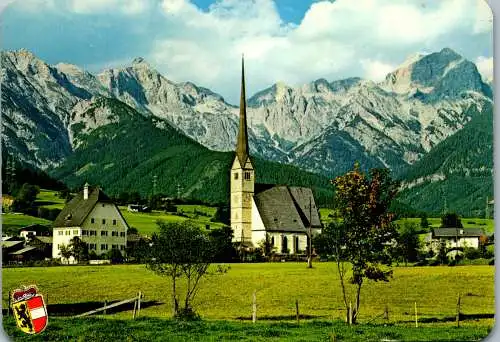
pixel 144 222
pixel 229 296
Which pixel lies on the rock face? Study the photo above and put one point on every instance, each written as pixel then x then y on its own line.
pixel 321 126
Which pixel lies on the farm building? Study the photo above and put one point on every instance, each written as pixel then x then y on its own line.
pixel 454 238
pixel 280 213
pixel 43 244
pixel 95 219
pixel 34 230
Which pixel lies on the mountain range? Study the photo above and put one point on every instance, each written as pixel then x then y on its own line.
pixel 53 113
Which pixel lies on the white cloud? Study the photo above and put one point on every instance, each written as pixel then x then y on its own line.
pixel 335 39
pixel 376 70
pixel 97 6
pixel 485 67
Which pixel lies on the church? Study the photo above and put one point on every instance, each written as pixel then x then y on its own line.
pixel 284 214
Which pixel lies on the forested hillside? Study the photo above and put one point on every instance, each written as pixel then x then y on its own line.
pixel 127 153
pixel 459 169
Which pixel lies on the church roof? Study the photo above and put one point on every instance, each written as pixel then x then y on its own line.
pixel 242 140
pixel 286 209
pixel 76 210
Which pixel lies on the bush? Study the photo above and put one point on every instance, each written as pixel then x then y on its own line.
pixel 472 253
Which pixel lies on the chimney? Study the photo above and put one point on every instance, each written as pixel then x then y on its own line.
pixel 86 191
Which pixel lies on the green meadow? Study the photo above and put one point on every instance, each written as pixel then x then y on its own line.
pixel 225 302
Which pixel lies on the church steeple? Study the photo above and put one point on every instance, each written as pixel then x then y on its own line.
pixel 242 142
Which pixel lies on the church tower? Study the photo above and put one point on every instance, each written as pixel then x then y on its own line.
pixel 242 178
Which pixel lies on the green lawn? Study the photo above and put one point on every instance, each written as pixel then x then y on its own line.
pixel 155 329
pixel 146 222
pixel 49 199
pixel 229 296
pixel 12 222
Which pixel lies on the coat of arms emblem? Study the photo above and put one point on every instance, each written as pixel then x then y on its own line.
pixel 29 310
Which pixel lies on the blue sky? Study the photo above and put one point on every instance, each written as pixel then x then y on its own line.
pixel 293 41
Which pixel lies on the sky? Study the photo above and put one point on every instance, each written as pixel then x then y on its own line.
pixel 291 41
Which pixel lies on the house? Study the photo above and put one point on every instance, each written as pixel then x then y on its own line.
pixel 95 219
pixel 9 247
pixel 280 213
pixel 34 230
pixel 27 253
pixel 454 238
pixel 137 208
pixel 43 244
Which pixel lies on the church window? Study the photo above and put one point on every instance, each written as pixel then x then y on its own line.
pixel 235 176
pixel 272 241
pixel 248 176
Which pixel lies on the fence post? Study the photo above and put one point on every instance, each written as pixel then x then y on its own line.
pixel 416 316
pixel 8 304
pixel 135 308
pixel 105 305
pixel 458 311
pixel 386 313
pixel 254 307
pixel 350 313
pixel 139 303
pixel 297 310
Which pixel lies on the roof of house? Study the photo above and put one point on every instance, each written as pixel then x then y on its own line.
pixel 35 228
pixel 8 244
pixel 24 250
pixel 286 209
pixel 44 239
pixel 76 210
pixel 453 232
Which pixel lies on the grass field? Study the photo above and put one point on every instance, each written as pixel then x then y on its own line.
pixel 154 329
pixel 49 199
pixel 229 296
pixel 146 222
pixel 15 221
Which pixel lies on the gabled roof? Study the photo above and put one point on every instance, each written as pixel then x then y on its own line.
pixel 76 210
pixel 35 228
pixel 8 244
pixel 460 232
pixel 44 239
pixel 22 251
pixel 286 209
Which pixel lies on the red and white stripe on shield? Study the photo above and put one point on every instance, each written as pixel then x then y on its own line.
pixel 38 313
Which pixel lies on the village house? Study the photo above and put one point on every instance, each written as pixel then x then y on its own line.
pixel 30 231
pixel 454 238
pixel 282 214
pixel 95 219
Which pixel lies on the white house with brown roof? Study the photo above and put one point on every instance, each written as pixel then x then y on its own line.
pixel 95 219
pixel 280 213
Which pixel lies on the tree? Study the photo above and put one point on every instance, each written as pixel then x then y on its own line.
pixel 115 256
pixel 451 220
pixel 181 250
pixel 408 242
pixel 424 222
pixel 223 244
pixel 79 249
pixel 65 252
pixel 25 197
pixel 267 246
pixel 365 230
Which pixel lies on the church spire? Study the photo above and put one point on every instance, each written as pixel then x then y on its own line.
pixel 242 142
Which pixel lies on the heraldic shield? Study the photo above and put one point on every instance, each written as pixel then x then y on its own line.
pixel 29 310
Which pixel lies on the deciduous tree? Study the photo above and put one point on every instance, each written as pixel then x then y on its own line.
pixel 181 250
pixel 359 241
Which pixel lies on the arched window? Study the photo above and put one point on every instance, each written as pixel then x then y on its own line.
pixel 284 244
